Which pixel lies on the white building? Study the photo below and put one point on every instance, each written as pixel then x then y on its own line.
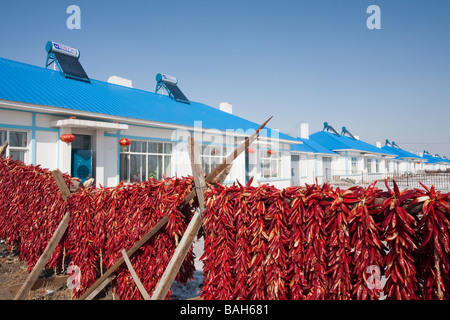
pixel 404 162
pixel 310 160
pixel 38 105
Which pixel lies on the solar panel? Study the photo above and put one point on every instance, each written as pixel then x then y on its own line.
pixel 70 66
pixel 175 92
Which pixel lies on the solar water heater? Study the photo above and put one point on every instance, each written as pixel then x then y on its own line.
pixel 67 60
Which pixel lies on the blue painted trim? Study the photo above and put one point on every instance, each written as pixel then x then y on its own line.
pixel 217 144
pixel 47 129
pixel 33 139
pixel 136 137
pixel 268 148
pixel 315 166
pixel 36 112
pixel 175 160
pixel 32 127
pixel 274 179
pixel 118 155
pixel 346 162
pixel 146 126
pixel 57 148
pixel 307 165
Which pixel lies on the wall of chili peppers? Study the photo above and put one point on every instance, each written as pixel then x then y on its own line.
pixel 316 242
pixel 311 242
pixel 103 222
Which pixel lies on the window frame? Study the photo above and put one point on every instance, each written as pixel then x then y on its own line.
pixel 378 165
pixel 354 165
pixel 25 150
pixel 276 158
pixel 167 159
pixel 369 163
pixel 207 155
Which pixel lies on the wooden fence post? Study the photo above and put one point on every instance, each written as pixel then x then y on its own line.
pixel 188 238
pixel 136 279
pixel 51 246
pixel 225 166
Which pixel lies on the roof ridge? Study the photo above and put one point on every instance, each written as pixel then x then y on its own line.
pixel 28 83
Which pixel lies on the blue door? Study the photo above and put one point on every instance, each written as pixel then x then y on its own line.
pixel 82 157
pixel 82 164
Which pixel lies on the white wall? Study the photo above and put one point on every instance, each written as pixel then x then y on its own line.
pixel 47 149
pixel 111 149
pixel 16 118
pixel 310 168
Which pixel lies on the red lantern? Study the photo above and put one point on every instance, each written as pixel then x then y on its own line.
pixel 124 142
pixel 270 152
pixel 251 150
pixel 67 138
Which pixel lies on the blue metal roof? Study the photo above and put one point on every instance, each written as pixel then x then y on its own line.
pixel 36 85
pixel 311 146
pixel 432 159
pixel 337 143
pixel 401 154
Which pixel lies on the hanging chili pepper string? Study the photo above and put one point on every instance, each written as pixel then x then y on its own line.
pixel 311 242
pixel 401 239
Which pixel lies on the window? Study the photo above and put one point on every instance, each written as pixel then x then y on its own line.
pixel 378 165
pixel 369 166
pixel 388 165
pixel 212 156
pixel 354 165
pixel 145 160
pixel 270 163
pixel 17 144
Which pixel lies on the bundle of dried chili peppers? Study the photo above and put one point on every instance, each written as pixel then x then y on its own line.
pixel 30 209
pixel 324 243
pixel 401 239
pixel 367 248
pixel 311 242
pixel 112 219
pixel 433 255
pixel 338 244
pixel 245 243
pixel 295 197
pixel 103 223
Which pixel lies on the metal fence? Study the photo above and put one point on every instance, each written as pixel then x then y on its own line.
pixel 440 180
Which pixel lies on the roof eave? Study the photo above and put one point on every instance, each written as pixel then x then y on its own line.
pixel 16 105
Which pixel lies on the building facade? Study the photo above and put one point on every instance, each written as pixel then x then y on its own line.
pixel 38 105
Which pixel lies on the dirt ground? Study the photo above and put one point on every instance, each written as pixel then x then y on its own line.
pixel 13 272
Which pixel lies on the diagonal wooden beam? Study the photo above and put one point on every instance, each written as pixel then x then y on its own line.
pixel 210 178
pixel 192 229
pixel 119 262
pixel 3 149
pixel 136 279
pixel 229 159
pixel 51 246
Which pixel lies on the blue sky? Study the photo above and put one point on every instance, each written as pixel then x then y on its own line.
pixel 300 60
